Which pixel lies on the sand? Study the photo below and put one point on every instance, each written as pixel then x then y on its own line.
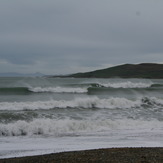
pixel 110 155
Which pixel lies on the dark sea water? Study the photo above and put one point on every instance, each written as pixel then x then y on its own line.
pixel 44 115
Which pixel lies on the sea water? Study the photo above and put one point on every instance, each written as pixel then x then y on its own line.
pixel 47 115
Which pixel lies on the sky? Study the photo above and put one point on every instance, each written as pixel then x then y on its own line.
pixel 69 36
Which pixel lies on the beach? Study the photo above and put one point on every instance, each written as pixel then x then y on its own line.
pixel 110 155
pixel 81 82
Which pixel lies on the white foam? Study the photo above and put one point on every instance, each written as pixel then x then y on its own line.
pixel 58 89
pixel 90 102
pixel 62 127
pixel 127 84
pixel 12 146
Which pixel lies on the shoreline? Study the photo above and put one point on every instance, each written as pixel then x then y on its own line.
pixel 112 155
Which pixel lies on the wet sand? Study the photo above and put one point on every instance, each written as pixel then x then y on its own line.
pixel 110 155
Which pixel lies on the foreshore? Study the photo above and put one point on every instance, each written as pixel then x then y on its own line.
pixel 110 155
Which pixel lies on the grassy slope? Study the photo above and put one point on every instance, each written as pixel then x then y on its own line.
pixel 144 70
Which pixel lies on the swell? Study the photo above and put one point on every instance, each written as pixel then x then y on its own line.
pixel 13 116
pixel 94 90
pixel 29 90
pixel 126 84
pixel 157 85
pixel 124 87
pixel 14 90
pixel 82 88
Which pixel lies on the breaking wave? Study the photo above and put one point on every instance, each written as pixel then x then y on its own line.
pixel 90 102
pixel 26 90
pixel 127 84
pixel 59 89
pixel 63 127
pixel 78 88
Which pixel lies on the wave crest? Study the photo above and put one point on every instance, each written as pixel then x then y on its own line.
pixel 91 102
pixel 58 89
pixel 70 127
pixel 127 84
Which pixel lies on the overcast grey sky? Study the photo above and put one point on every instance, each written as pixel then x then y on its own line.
pixel 67 36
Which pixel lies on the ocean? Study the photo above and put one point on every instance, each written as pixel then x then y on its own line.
pixel 40 115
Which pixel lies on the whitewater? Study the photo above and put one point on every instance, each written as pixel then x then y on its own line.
pixel 47 115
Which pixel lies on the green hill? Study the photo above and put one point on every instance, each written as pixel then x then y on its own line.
pixel 143 70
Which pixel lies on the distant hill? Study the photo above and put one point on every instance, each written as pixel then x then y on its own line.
pixel 13 74
pixel 143 70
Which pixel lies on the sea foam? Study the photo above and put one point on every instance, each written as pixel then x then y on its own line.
pixel 127 84
pixel 89 102
pixel 58 89
pixel 67 126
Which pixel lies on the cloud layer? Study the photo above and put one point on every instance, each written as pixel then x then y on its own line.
pixel 60 36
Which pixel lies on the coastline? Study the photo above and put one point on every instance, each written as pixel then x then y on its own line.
pixel 112 155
